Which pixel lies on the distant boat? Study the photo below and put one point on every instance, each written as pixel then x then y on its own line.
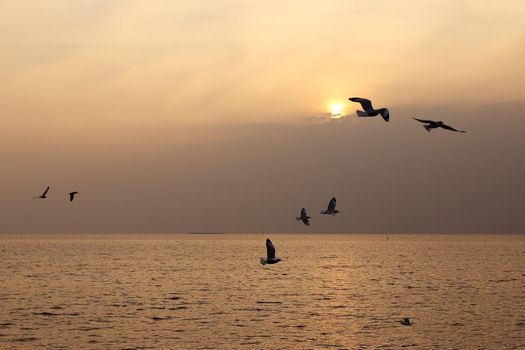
pixel 205 233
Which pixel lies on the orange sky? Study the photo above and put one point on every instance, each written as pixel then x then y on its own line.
pixel 92 90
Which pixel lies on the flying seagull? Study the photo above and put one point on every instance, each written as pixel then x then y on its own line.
pixel 303 217
pixel 270 254
pixel 406 322
pixel 43 195
pixel 331 208
pixel 366 104
pixel 430 124
pixel 72 195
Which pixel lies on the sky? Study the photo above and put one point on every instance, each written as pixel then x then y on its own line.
pixel 230 116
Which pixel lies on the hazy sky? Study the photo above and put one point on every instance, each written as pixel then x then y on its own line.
pixel 173 116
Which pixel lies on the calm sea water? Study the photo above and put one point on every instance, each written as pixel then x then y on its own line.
pixel 210 292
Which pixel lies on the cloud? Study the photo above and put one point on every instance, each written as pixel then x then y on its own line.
pixel 143 102
pixel 387 177
pixel 327 118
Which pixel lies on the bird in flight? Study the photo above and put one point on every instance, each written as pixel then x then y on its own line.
pixel 303 217
pixel 72 195
pixel 366 104
pixel 331 208
pixel 431 124
pixel 43 195
pixel 406 321
pixel 270 254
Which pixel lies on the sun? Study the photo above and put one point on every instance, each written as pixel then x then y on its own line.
pixel 336 109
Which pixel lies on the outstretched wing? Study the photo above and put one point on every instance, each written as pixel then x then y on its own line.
pixel 384 113
pixel 424 121
pixel 270 250
pixel 72 196
pixel 303 213
pixel 45 192
pixel 331 205
pixel 366 104
pixel 445 126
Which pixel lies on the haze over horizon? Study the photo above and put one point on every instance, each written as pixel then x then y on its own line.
pixel 176 117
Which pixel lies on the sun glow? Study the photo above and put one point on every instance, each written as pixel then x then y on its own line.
pixel 336 109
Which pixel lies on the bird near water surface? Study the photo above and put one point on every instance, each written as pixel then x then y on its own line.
pixel 270 254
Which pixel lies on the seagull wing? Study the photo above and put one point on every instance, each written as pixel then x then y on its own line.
pixel 424 121
pixel 331 205
pixel 384 113
pixel 45 192
pixel 303 213
pixel 71 196
pixel 445 126
pixel 270 250
pixel 366 104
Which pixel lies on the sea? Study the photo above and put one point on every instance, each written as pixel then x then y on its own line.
pixel 209 291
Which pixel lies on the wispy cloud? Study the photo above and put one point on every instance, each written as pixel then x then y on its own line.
pixel 327 118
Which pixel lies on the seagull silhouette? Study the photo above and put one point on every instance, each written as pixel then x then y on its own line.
pixel 303 217
pixel 331 208
pixel 72 195
pixel 270 254
pixel 431 124
pixel 406 321
pixel 370 111
pixel 43 195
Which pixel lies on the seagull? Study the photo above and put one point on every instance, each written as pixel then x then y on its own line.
pixel 430 124
pixel 366 104
pixel 331 208
pixel 406 322
pixel 43 195
pixel 270 254
pixel 303 217
pixel 72 195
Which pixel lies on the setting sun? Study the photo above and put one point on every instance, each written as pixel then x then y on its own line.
pixel 336 109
